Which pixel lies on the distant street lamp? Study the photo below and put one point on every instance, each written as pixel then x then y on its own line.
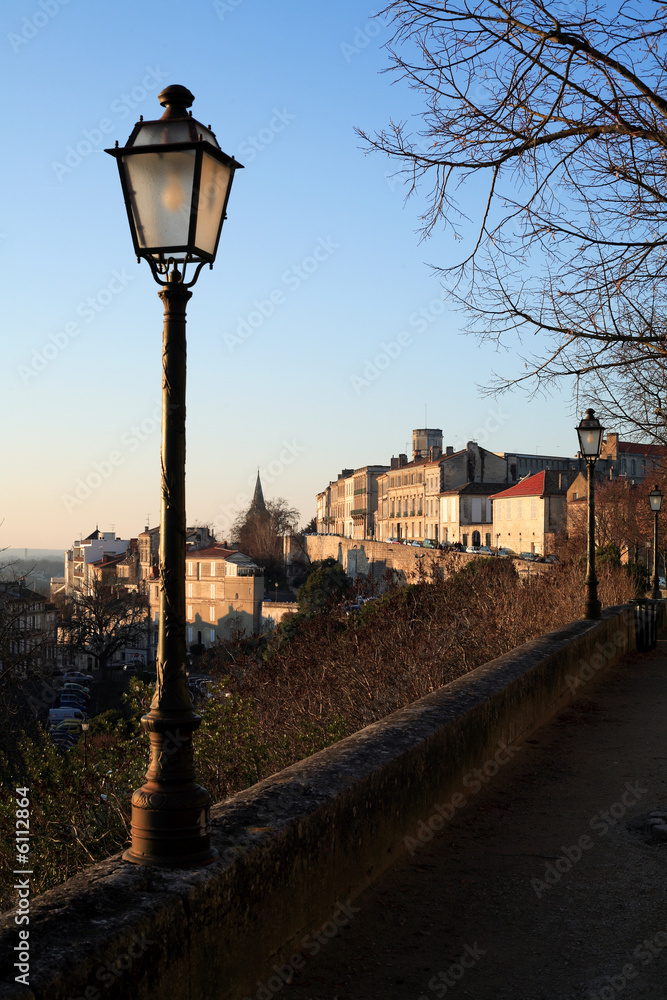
pixel 84 728
pixel 176 183
pixel 590 442
pixel 655 500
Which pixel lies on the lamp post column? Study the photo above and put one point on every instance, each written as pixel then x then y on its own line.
pixel 170 812
pixel 656 583
pixel 593 607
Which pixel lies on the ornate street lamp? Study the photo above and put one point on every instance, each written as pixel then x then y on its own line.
pixel 590 441
pixel 655 500
pixel 84 729
pixel 176 182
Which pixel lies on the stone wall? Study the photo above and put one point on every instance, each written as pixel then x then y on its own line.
pixel 373 559
pixel 295 849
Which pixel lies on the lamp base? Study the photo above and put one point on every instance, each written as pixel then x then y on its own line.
pixel 171 812
pixel 592 609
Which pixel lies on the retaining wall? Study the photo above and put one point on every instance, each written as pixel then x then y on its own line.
pixel 295 848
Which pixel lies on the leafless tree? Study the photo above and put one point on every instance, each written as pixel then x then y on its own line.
pixel 551 117
pixel 102 621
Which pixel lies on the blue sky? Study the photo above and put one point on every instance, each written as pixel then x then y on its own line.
pixel 320 271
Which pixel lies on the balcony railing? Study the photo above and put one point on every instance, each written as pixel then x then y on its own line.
pixel 362 490
pixel 359 512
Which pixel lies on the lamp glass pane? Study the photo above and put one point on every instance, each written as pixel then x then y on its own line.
pixel 160 132
pixel 160 192
pixel 213 188
pixel 589 440
pixel 656 501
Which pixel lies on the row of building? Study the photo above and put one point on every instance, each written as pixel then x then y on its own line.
pixel 471 496
pixel 224 587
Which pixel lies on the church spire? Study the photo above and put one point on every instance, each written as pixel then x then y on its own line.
pixel 258 506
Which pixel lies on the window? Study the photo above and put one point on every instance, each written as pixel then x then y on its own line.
pixel 212 569
pixel 199 571
pixel 465 541
pixel 519 509
pixel 213 591
pixel 189 569
pixel 533 508
pixel 189 590
pixel 190 634
pixel 190 615
pixel 211 614
pixel 211 635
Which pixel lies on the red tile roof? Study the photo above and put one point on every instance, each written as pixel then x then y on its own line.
pixel 212 552
pixel 532 486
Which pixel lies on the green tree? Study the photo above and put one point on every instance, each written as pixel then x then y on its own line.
pixel 326 584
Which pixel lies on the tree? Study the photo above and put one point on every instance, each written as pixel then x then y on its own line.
pixel 259 533
pixel 102 621
pixel 328 582
pixel 552 116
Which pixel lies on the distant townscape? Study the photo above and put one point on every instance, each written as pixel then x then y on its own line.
pixel 472 497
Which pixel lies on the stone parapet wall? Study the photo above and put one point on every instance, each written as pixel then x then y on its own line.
pixel 296 848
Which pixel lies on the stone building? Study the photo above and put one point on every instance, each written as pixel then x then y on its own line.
pixel 224 590
pixel 466 514
pixel 528 515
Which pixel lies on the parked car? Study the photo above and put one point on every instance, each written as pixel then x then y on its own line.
pixel 130 668
pixel 66 713
pixel 77 676
pixel 428 544
pixel 73 701
pixel 485 550
pixel 551 559
pixel 76 689
pixel 505 553
pixel 529 556
pixel 473 548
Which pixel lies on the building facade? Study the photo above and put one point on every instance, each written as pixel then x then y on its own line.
pixel 224 591
pixel 528 516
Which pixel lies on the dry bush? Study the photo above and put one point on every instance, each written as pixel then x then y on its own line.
pixel 340 672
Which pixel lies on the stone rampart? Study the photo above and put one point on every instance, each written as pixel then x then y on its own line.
pixel 295 849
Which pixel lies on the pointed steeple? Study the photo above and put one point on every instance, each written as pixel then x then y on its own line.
pixel 258 506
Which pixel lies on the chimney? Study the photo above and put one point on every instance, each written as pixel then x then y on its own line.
pixel 450 449
pixel 394 462
pixel 402 460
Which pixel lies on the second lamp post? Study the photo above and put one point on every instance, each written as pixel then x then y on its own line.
pixel 590 441
pixel 655 500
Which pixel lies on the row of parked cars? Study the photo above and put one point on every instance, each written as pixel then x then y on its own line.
pixel 65 720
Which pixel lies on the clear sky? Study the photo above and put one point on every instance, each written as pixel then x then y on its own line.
pixel 319 271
